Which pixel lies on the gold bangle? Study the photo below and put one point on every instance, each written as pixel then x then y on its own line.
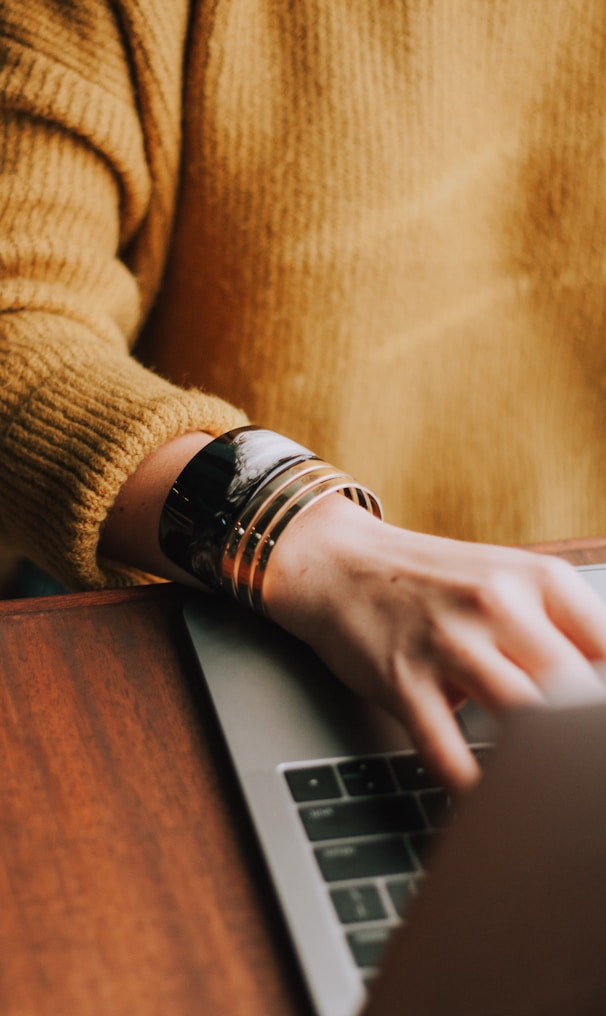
pixel 249 528
pixel 272 505
pixel 280 510
pixel 359 495
pixel 229 506
pixel 266 516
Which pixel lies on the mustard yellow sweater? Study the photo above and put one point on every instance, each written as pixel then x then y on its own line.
pixel 375 226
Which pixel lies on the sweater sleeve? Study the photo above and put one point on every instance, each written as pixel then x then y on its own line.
pixel 85 212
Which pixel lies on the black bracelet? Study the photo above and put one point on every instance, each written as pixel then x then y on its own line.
pixel 206 499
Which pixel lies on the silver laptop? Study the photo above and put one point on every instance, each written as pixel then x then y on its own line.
pixel 347 817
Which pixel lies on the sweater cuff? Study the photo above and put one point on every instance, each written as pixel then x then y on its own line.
pixel 66 454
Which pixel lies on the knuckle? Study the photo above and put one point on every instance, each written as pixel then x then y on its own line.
pixel 553 570
pixel 496 595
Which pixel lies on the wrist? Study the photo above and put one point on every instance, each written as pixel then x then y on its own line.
pixel 130 533
pixel 316 561
pixel 231 505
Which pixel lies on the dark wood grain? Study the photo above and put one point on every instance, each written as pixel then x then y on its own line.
pixel 128 884
pixel 128 880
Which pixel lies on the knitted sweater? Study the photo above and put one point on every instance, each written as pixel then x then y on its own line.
pixel 377 227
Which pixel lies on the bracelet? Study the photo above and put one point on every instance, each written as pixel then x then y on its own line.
pixel 230 504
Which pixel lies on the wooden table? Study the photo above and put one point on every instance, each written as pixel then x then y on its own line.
pixel 129 884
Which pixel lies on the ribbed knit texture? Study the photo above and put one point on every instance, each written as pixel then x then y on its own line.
pixel 90 147
pixel 391 222
pixel 388 244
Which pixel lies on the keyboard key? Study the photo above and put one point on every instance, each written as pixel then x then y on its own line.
pixel 402 891
pixel 358 903
pixel 363 818
pixel 367 859
pixel 368 944
pixel 367 777
pixel 313 783
pixel 411 773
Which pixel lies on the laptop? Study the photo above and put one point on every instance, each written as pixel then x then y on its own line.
pixel 347 818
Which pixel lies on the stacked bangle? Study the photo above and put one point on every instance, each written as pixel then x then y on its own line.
pixel 229 506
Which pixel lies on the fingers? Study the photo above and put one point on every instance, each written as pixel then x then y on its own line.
pixel 537 640
pixel 576 609
pixel 560 670
pixel 527 660
pixel 426 713
pixel 482 672
pixel 485 676
pixel 555 633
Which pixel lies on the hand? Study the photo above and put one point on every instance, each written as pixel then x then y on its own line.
pixel 420 623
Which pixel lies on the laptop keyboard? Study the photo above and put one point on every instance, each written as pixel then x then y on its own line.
pixel 370 822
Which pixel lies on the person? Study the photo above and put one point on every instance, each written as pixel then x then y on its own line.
pixel 372 228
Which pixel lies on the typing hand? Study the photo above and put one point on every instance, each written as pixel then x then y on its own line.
pixel 420 623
